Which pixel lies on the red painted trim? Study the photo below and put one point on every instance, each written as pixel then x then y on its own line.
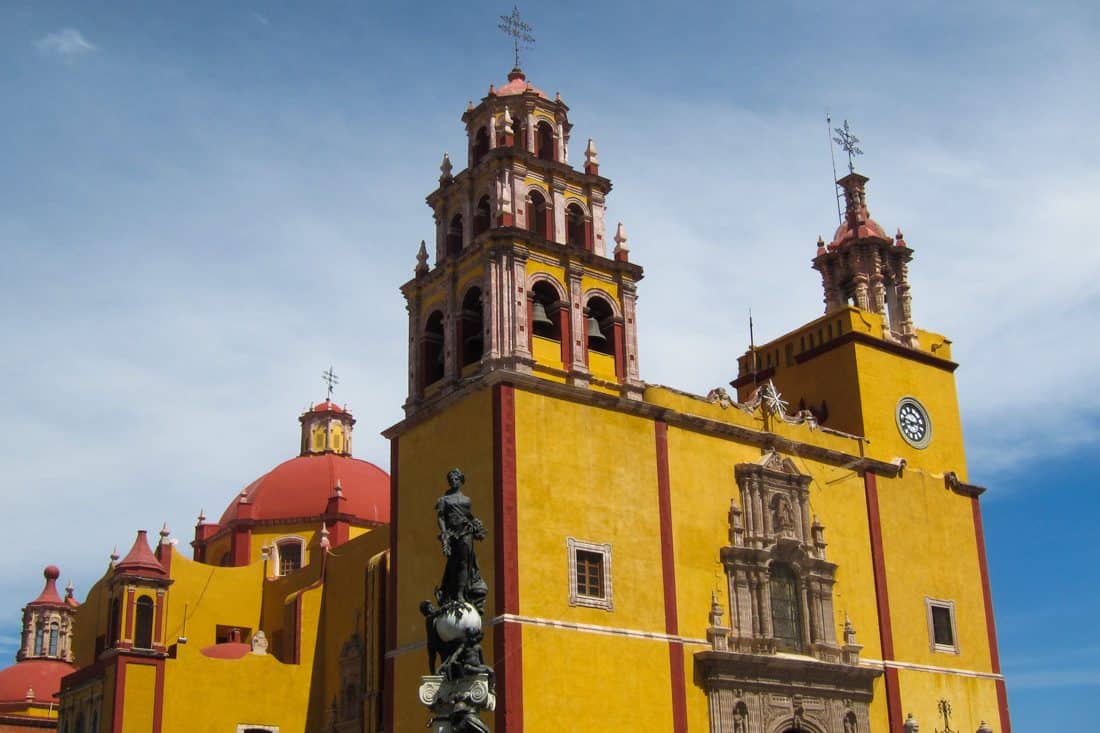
pixel 242 546
pixel 391 592
pixel 990 623
pixel 158 635
pixel 158 697
pixel 991 627
pixel 668 577
pixel 565 328
pixel 620 351
pixel 882 599
pixel 1002 707
pixel 893 699
pixel 129 614
pixel 679 693
pixel 120 695
pixel 530 324
pixel 507 639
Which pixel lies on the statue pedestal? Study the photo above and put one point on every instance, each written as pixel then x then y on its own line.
pixel 456 704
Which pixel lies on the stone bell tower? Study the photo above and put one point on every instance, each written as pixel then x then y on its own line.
pixel 865 267
pixel 523 278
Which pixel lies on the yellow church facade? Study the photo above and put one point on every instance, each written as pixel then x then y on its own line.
pixel 801 553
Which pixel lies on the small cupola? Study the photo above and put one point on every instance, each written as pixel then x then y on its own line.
pixel 47 623
pixel 326 428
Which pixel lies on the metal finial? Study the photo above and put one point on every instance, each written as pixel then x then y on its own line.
pixel 331 380
pixel 944 706
pixel 847 141
pixel 513 26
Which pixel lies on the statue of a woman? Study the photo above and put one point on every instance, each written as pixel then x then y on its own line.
pixel 458 528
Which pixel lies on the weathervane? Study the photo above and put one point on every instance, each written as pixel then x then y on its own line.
pixel 331 380
pixel 513 26
pixel 846 140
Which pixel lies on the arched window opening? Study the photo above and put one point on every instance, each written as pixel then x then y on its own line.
pixel 113 624
pixel 143 623
pixel 471 326
pixel 481 146
pixel 600 326
pixel 80 723
pixel 482 216
pixel 454 236
pixel 432 349
pixel 574 226
pixel 546 311
pixel 786 609
pixel 290 555
pixel 519 127
pixel 544 137
pixel 55 633
pixel 538 215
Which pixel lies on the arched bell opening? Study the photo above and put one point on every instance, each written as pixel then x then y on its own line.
pixel 470 327
pixel 481 146
pixel 538 215
pixel 575 227
pixel 431 349
pixel 143 623
pixel 482 216
pixel 546 312
pixel 519 128
pixel 454 236
pixel 600 326
pixel 544 139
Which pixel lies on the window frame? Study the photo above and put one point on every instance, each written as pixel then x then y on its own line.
pixel 929 604
pixel 303 558
pixel 576 598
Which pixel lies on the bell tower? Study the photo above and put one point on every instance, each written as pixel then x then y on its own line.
pixel 522 278
pixel 865 267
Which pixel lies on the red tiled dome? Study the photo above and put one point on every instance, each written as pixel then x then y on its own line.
pixel 326 406
pixel 301 487
pixel 869 228
pixel 41 675
pixel 518 84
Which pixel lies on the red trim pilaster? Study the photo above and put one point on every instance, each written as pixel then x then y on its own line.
pixel 158 698
pixel 241 546
pixel 391 592
pixel 129 627
pixel 120 695
pixel 507 639
pixel 158 622
pixel 882 601
pixel 620 350
pixel 565 329
pixel 668 577
pixel 990 624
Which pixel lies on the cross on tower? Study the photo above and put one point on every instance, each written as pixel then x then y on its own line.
pixel 513 26
pixel 331 380
pixel 847 141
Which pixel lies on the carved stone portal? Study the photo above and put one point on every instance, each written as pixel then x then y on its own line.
pixel 778 666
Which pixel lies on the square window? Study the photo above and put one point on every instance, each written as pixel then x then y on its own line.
pixel 943 636
pixel 589 574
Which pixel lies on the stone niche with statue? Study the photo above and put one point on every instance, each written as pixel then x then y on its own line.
pixel 459 684
pixel 777 666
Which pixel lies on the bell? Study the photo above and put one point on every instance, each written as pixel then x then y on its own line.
pixel 539 317
pixel 594 335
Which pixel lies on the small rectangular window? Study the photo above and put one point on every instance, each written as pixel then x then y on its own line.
pixel 589 574
pixel 942 632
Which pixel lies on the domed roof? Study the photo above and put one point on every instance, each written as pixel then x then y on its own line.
pixel 326 406
pixel 49 596
pixel 518 84
pixel 301 487
pixel 41 675
pixel 869 228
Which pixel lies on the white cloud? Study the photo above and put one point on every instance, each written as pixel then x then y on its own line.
pixel 65 42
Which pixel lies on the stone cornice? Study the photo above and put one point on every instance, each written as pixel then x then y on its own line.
pixel 763 439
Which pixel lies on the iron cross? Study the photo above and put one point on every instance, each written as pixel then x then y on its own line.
pixel 513 26
pixel 331 380
pixel 846 140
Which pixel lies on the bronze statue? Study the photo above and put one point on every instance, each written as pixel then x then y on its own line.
pixel 458 528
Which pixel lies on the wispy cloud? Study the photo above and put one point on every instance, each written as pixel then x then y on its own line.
pixel 65 42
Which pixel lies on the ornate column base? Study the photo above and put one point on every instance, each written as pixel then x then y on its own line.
pixel 456 704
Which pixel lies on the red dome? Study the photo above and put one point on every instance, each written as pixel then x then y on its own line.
pixel 301 487
pixel 869 228
pixel 326 406
pixel 41 675
pixel 518 84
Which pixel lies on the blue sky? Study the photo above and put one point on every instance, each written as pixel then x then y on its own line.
pixel 204 206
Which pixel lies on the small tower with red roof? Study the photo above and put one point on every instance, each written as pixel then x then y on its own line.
pixel 27 688
pixel 138 586
pixel 865 267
